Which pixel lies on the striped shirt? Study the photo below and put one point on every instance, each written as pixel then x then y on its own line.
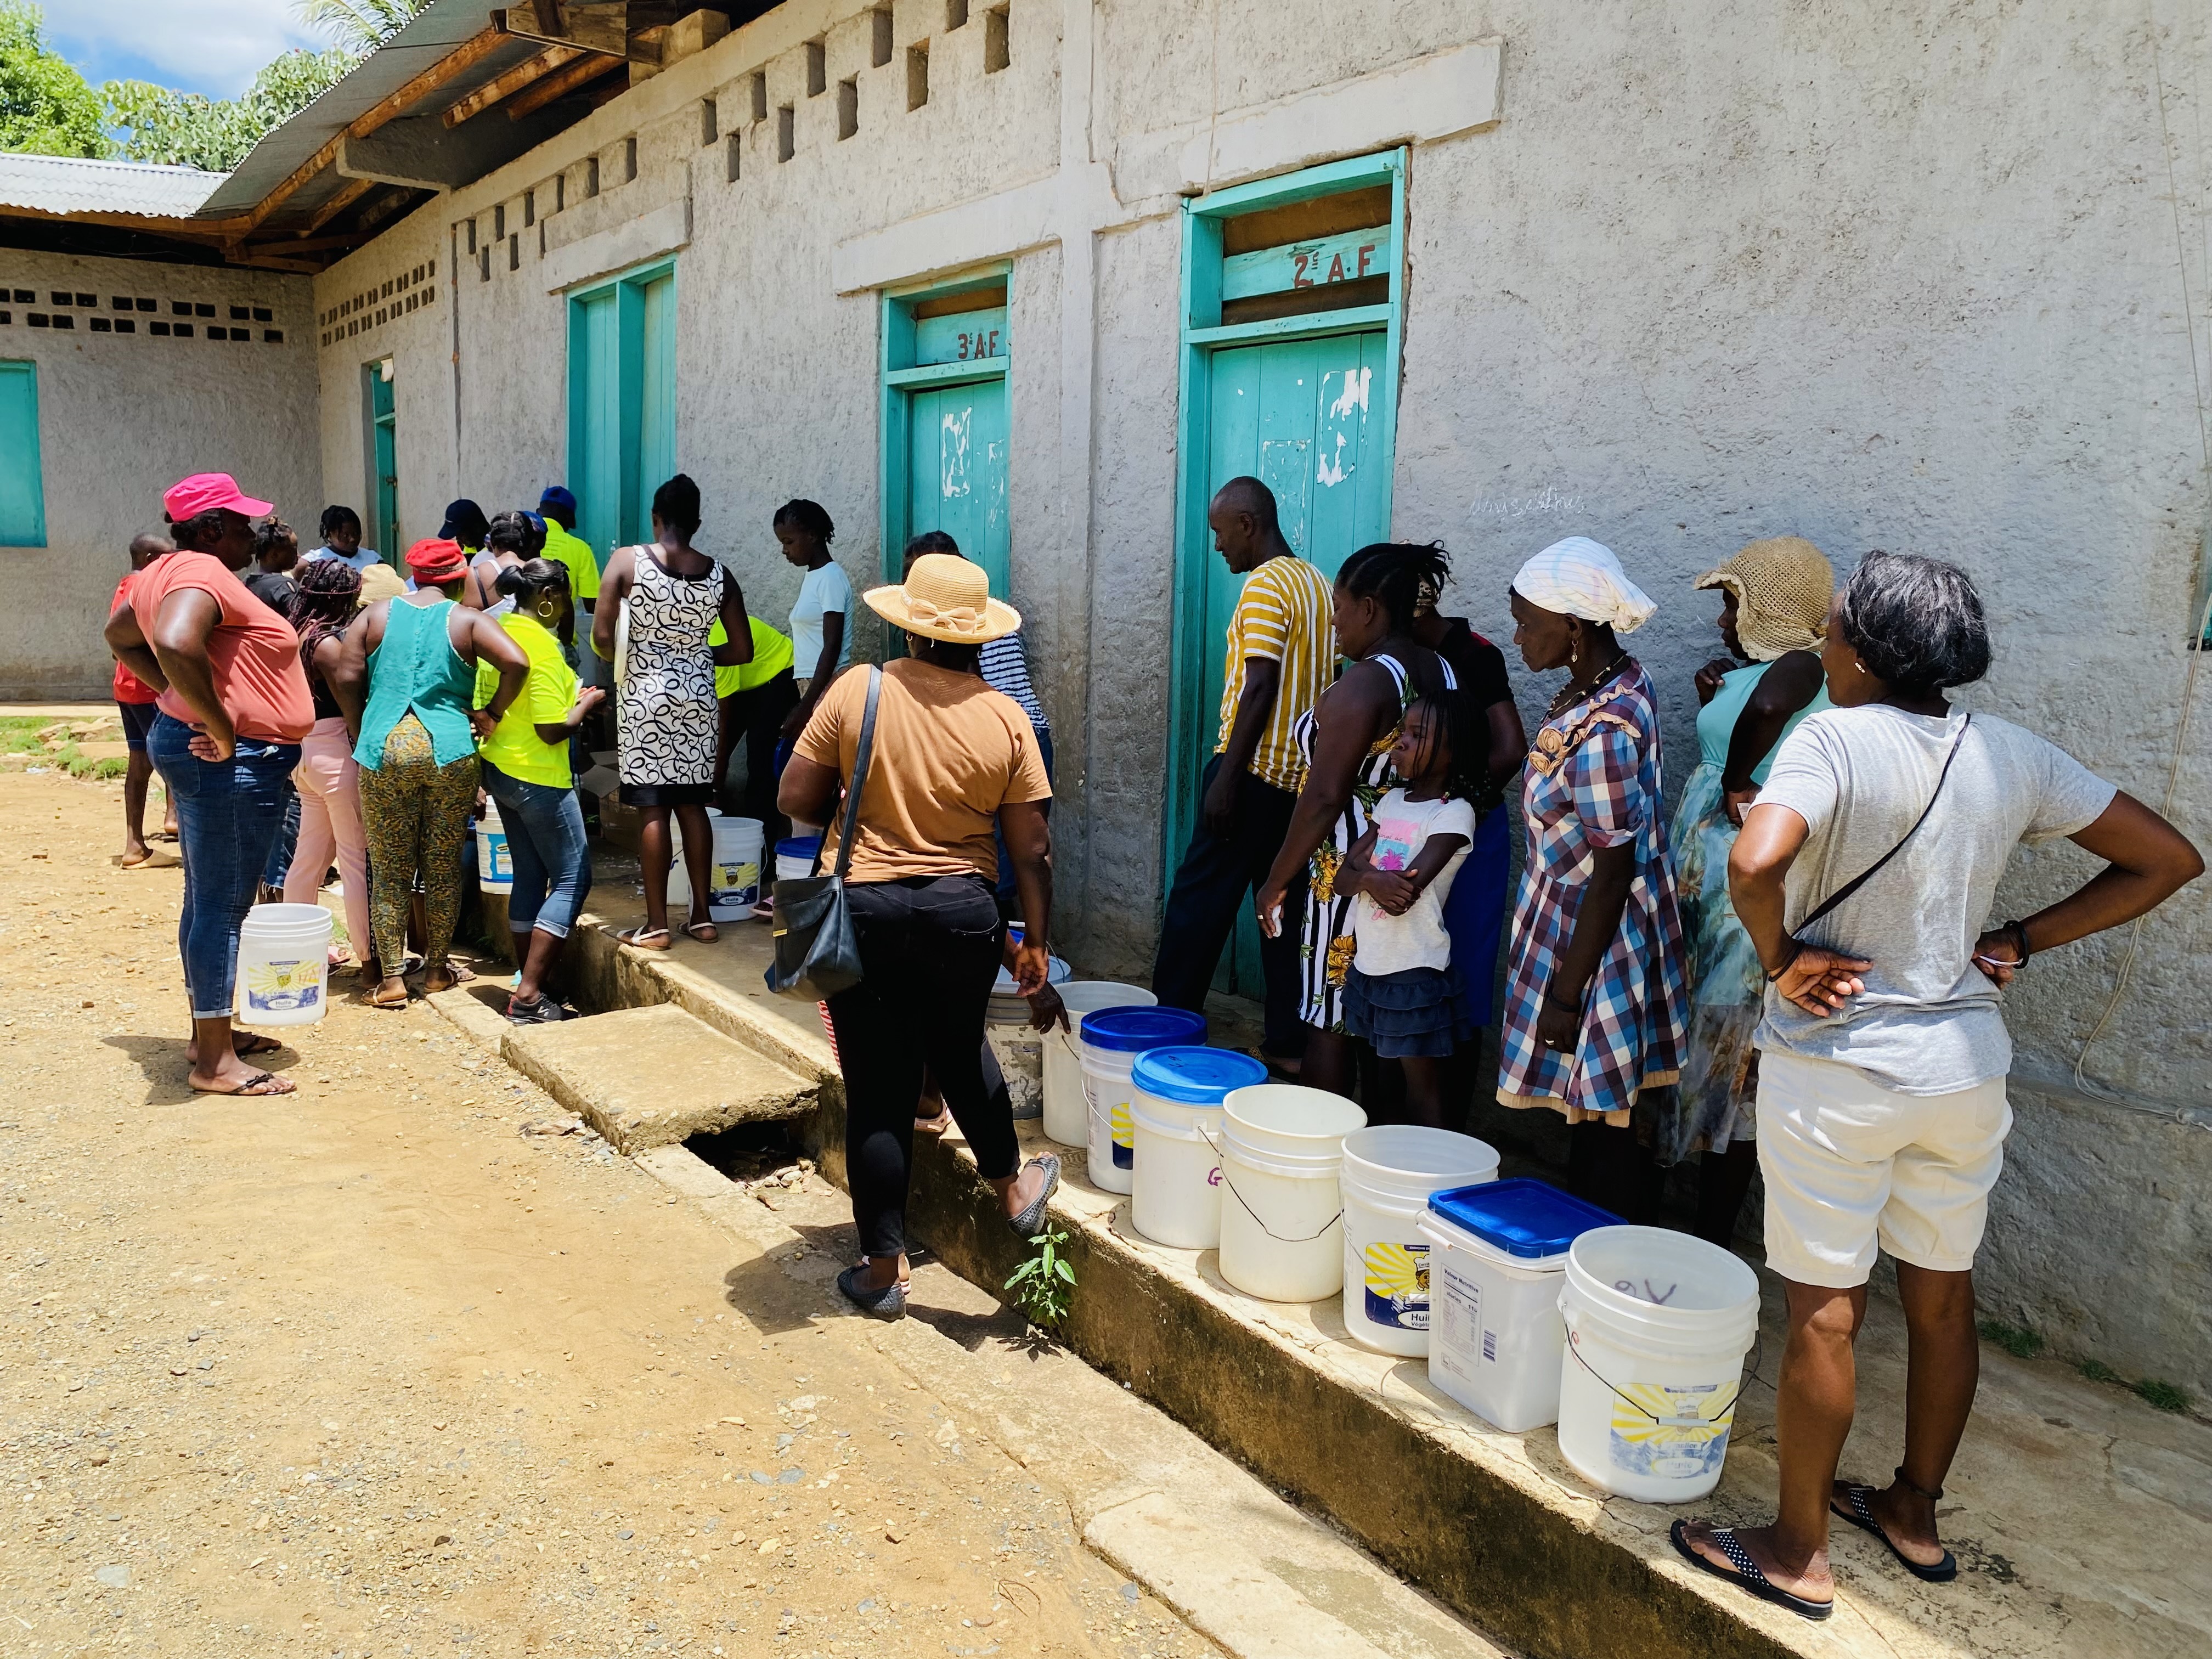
pixel 1006 667
pixel 1283 614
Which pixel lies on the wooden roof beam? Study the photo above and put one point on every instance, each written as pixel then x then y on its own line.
pixel 514 81
pixel 559 85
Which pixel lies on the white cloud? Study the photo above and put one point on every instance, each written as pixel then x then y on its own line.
pixel 212 46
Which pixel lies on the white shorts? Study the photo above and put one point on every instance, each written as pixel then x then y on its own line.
pixel 1849 1164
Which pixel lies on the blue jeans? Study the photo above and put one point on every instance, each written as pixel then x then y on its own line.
pixel 552 861
pixel 228 816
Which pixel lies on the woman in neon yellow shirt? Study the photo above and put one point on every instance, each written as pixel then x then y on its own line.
pixel 526 770
pixel 755 697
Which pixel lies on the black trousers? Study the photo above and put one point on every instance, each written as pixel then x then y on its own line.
pixel 1210 892
pixel 758 712
pixel 929 950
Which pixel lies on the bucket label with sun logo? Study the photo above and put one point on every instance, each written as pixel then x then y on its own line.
pixel 1398 1285
pixel 283 987
pixel 1663 1429
pixel 1125 1139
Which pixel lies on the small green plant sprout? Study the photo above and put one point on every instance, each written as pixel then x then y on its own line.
pixel 1042 1284
pixel 2166 1396
pixel 2098 1371
pixel 2015 1340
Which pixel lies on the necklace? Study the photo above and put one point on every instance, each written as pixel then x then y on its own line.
pixel 1570 694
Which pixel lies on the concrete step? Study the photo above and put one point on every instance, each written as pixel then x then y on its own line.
pixel 654 1076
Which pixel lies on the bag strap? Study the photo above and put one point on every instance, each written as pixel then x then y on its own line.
pixel 851 820
pixel 1872 870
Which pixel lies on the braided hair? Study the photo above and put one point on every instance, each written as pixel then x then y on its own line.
pixel 1394 573
pixel 325 595
pixel 1466 731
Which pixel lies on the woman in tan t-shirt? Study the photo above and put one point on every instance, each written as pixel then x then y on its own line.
pixel 952 760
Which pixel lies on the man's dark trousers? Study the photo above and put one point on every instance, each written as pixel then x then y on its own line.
pixel 1212 888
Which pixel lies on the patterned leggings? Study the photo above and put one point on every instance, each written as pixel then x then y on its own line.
pixel 416 813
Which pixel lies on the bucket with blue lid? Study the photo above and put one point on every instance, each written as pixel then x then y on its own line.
pixel 1497 1257
pixel 1108 1042
pixel 1175 1117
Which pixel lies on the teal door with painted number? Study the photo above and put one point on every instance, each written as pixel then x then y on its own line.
pixel 384 431
pixel 957 471
pixel 1294 415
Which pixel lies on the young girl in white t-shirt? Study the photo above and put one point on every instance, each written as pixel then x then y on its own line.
pixel 1402 992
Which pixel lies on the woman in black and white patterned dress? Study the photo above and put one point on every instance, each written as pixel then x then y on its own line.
pixel 666 712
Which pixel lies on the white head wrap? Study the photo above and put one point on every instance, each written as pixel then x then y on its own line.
pixel 1579 577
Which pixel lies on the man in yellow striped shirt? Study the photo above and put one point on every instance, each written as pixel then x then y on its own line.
pixel 1280 652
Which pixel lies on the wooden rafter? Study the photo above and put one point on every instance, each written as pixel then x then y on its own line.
pixel 511 82
pixel 341 198
pixel 460 60
pixel 559 85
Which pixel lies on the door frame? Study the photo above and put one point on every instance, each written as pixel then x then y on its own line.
pixel 900 378
pixel 1191 726
pixel 382 371
pixel 633 505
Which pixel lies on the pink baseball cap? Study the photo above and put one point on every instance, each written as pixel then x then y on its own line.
pixel 203 491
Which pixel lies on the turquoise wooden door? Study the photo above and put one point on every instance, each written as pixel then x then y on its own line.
pixel 595 450
pixel 656 401
pixel 957 471
pixel 1294 415
pixel 22 487
pixel 383 428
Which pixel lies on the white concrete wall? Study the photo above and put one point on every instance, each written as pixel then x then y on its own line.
pixel 1677 279
pixel 121 418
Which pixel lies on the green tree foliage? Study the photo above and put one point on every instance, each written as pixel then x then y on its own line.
pixel 46 107
pixel 186 130
pixel 358 26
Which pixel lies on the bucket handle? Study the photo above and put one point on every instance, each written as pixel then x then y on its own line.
pixel 1278 1238
pixel 1575 1347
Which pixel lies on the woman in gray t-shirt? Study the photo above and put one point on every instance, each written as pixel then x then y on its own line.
pixel 1881 1094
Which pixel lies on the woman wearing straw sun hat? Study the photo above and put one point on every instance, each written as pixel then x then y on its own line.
pixel 950 761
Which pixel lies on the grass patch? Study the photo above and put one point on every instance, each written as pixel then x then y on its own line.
pixel 27 735
pixel 2098 1371
pixel 2166 1396
pixel 2017 1341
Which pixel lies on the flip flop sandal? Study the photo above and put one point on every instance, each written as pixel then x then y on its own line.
pixel 640 936
pixel 1860 1515
pixel 932 1127
pixel 377 1000
pixel 254 1087
pixel 1746 1576
pixel 1026 1224
pixel 704 932
pixel 137 864
pixel 256 1043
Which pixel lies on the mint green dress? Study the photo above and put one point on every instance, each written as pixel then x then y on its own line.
pixel 1720 1070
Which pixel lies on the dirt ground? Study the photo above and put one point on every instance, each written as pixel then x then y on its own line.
pixel 402 1364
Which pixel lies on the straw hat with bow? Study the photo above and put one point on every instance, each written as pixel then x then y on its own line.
pixel 947 598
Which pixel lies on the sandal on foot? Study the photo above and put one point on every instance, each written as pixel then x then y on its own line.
pixel 1746 1576
pixel 1860 1515
pixel 261 1083
pixel 644 938
pixel 705 932
pixel 376 999
pixel 1026 1224
pixel 888 1302
pixel 930 1128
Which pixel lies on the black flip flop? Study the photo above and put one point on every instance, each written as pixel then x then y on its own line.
pixel 1860 1516
pixel 252 1089
pixel 1746 1576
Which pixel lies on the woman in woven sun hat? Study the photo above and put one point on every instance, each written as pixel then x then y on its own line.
pixel 1775 596
pixel 1595 1002
pixel 951 760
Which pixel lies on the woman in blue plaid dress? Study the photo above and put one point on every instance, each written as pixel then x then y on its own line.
pixel 1595 1002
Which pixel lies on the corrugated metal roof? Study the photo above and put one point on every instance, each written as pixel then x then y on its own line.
pixel 62 184
pixel 436 30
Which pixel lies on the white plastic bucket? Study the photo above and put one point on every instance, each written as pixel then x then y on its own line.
pixel 679 874
pixel 284 964
pixel 1389 1170
pixel 1658 1324
pixel 1176 1115
pixel 1110 1039
pixel 794 856
pixel 494 860
pixel 737 867
pixel 1282 1215
pixel 1067 1112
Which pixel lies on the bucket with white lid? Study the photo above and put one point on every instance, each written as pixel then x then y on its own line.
pixel 1658 1324
pixel 495 858
pixel 1497 1254
pixel 284 964
pixel 1109 1040
pixel 736 868
pixel 1067 1112
pixel 795 855
pixel 1175 1112
pixel 1282 1213
pixel 1389 1170
pixel 679 874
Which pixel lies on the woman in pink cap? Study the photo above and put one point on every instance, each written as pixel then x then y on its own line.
pixel 234 705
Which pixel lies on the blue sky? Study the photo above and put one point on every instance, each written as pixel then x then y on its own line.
pixel 211 46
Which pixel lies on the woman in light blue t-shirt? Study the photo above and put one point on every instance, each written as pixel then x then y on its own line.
pixel 821 642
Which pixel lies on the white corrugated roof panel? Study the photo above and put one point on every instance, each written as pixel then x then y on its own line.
pixel 64 184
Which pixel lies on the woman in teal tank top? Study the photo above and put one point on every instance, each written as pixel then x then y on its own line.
pixel 406 680
pixel 1774 609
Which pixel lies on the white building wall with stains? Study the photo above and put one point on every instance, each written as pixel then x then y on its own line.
pixel 1677 279
pixel 123 416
